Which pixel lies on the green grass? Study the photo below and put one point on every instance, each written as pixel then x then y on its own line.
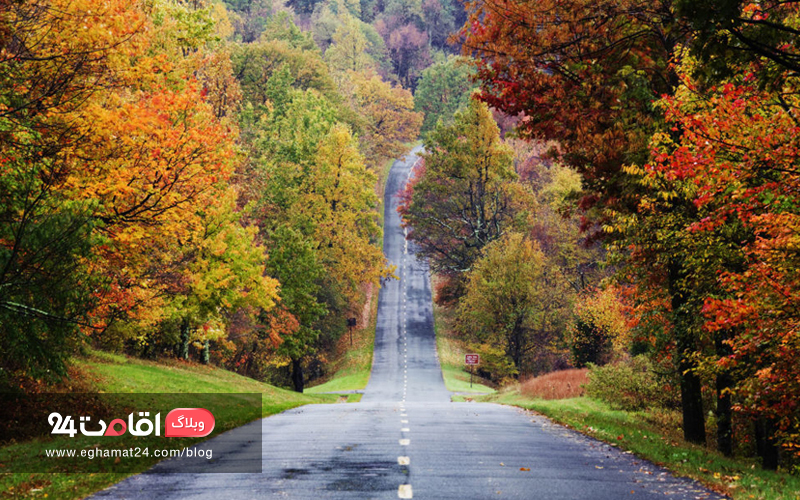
pixel 457 380
pixel 451 356
pixel 640 433
pixel 354 381
pixel 117 374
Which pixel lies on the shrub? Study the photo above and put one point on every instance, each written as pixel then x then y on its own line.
pixel 562 384
pixel 627 385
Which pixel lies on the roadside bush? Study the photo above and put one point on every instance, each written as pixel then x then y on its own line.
pixel 560 384
pixel 628 385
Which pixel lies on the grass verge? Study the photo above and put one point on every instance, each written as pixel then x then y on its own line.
pixel 640 433
pixel 103 372
pixel 451 356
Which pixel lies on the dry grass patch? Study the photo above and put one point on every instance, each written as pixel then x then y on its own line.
pixel 562 384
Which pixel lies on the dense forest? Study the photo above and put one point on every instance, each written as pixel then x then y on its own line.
pixel 197 179
pixel 606 184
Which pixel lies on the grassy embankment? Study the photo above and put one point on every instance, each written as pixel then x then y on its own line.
pixel 451 352
pixel 656 436
pixel 353 365
pixel 103 372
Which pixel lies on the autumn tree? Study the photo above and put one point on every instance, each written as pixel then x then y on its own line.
pixel 504 296
pixel 443 88
pixel 308 174
pixel 337 205
pixel 601 328
pixel 347 51
pixel 250 17
pixel 389 119
pixel 573 263
pixel 329 16
pixel 464 197
pixel 332 206
pixel 54 56
pixel 281 26
pixel 735 159
pixel 586 75
pixel 728 35
pixel 136 166
pixel 582 73
pixel 254 65
pixel 225 273
pixel 673 182
pixel 440 21
pixel 293 261
pixel 408 48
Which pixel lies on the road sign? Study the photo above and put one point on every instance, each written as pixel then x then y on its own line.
pixel 472 359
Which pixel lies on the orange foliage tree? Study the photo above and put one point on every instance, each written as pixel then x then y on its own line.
pixel 737 157
pixel 118 154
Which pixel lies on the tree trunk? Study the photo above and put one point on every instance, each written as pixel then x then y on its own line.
pixel 694 424
pixel 765 444
pixel 514 350
pixel 183 348
pixel 724 410
pixel 297 375
pixel 206 356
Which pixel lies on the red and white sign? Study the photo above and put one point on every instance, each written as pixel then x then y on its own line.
pixel 472 359
pixel 189 422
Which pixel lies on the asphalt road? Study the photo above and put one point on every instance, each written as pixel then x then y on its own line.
pixel 405 439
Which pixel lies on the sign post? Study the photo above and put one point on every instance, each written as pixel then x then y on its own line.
pixel 471 360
